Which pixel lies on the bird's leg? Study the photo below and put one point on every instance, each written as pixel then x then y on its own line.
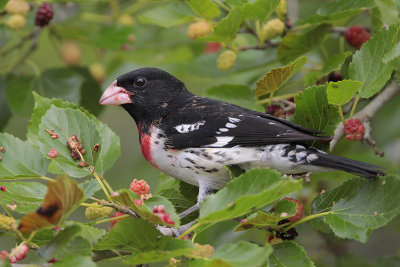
pixel 204 191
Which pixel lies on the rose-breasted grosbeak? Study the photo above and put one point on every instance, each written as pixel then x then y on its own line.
pixel 191 137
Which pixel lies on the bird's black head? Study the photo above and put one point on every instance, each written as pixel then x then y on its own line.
pixel 146 93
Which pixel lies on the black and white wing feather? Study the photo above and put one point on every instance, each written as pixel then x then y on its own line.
pixel 218 124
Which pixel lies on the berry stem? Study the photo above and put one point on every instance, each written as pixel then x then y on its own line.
pixel 188 231
pixel 91 205
pixel 102 186
pixel 222 5
pixel 111 219
pixel 271 95
pixel 107 184
pixel 306 219
pixel 341 44
pixel 354 107
pixel 341 115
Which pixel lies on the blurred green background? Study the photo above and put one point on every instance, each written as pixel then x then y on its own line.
pixel 103 41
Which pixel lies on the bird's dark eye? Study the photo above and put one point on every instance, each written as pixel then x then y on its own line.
pixel 140 81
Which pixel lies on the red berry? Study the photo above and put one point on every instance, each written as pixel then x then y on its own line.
pixel 186 237
pixel 3 188
pixel 140 187
pixel 112 223
pixel 212 47
pixel 155 209
pixel 53 260
pixel 138 202
pixel 44 14
pixel 270 238
pixel 356 36
pixel 300 209
pixel 354 130
pixel 161 208
pixel 53 153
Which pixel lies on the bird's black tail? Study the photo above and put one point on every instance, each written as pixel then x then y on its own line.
pixel 348 165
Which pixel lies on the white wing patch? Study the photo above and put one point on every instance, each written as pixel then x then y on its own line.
pixel 185 128
pixel 223 129
pixel 230 125
pixel 221 141
pixel 233 120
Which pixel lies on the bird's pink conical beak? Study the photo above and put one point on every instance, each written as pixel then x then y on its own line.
pixel 115 95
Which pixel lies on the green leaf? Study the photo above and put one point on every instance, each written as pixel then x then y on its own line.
pixel 295 45
pixel 4 108
pixel 260 9
pixel 90 233
pixel 109 37
pixel 19 93
pixel 333 63
pixel 145 211
pixel 144 241
pixel 336 10
pixel 90 187
pixel 63 83
pixel 43 237
pixel 392 54
pixel 167 15
pixel 204 8
pixel 288 254
pixel 237 255
pixel 276 77
pixel 228 27
pixel 166 182
pixel 367 65
pixel 3 4
pixel 180 203
pixel 359 206
pixel 68 122
pixel 90 91
pixel 59 242
pixel 389 8
pixel 254 189
pixel 76 261
pixel 27 195
pixel 20 158
pixel 110 148
pixel 314 112
pixel 339 93
pixel 240 95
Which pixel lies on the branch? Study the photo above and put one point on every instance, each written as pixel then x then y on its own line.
pixel 117 207
pixel 366 114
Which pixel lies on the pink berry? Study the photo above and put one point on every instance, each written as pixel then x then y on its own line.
pixel 44 14
pixel 155 209
pixel 3 188
pixel 53 153
pixel 354 130
pixel 161 208
pixel 140 187
pixel 356 36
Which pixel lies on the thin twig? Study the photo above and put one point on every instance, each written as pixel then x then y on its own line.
pixel 32 47
pixel 367 113
pixel 370 140
pixel 118 207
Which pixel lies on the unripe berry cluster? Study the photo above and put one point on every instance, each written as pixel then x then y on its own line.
pixel 354 130
pixel 197 29
pixel 93 213
pixel 18 9
pixel 160 212
pixel 226 60
pixel 273 28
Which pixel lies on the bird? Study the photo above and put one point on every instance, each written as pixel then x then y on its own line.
pixel 193 138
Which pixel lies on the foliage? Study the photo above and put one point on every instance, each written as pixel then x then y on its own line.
pixel 53 75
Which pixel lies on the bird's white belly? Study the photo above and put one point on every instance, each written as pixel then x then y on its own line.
pixel 207 165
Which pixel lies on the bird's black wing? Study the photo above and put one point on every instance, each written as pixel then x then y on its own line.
pixel 210 123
